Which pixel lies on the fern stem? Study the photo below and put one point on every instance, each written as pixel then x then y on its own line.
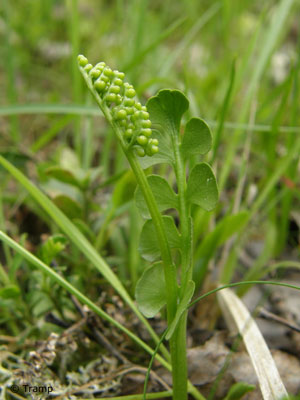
pixel 178 340
pixel 169 268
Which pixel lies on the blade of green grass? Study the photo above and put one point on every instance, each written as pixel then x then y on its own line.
pixel 256 127
pixel 223 113
pixel 224 267
pixel 242 283
pixel 258 273
pixel 75 109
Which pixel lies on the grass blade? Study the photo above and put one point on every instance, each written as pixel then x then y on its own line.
pixel 223 112
pixel 76 109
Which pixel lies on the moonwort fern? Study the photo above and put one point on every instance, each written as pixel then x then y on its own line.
pixel 150 135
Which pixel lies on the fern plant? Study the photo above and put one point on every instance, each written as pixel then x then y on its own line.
pixel 150 135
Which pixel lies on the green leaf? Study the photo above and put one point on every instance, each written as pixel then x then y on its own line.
pixel 181 307
pixel 238 390
pixel 149 246
pixel 197 138
pixel 68 206
pixel 63 175
pixel 51 247
pixel 9 292
pixel 224 230
pixel 202 187
pixel 150 292
pixel 166 110
pixel 164 195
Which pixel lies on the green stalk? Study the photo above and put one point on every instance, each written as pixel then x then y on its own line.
pixel 169 268
pixel 178 340
pixel 185 229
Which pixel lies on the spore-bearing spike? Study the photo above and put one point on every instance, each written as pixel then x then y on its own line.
pixel 126 111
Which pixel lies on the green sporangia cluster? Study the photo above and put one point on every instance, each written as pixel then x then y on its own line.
pixel 126 111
